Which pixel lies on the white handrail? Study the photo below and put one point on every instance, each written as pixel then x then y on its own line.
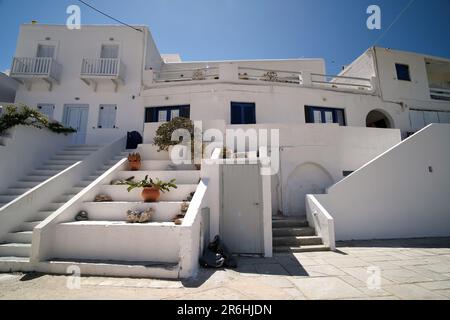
pixel 100 67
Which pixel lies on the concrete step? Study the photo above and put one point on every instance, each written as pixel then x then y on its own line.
pixel 28 226
pixel 161 165
pixel 65 197
pixel 52 206
pixel 37 178
pixel 15 249
pixel 150 152
pixel 296 241
pixel 67 163
pixel 157 270
pixel 84 183
pixel 42 215
pixel 19 237
pixel 120 193
pixel 45 172
pixel 73 152
pixel 289 223
pixel 181 176
pixel 15 191
pixel 25 184
pixel 56 167
pixel 295 249
pixel 68 157
pixel 7 198
pixel 164 211
pixel 284 232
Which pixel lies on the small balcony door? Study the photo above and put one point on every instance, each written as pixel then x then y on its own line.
pixel 45 51
pixel 109 51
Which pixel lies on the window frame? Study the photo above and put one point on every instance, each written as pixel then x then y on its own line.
pixel 243 105
pixel 408 69
pixel 151 113
pixel 309 115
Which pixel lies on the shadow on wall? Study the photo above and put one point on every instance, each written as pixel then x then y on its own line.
pixel 307 178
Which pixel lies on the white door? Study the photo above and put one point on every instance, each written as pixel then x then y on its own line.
pixel 76 116
pixel 241 223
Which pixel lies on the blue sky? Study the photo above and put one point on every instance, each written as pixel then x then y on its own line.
pixel 252 29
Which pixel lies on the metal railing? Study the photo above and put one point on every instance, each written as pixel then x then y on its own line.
pixel 100 67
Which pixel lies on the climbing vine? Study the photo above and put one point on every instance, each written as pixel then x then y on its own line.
pixel 24 115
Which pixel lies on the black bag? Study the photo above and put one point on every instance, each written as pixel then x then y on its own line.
pixel 134 138
pixel 217 255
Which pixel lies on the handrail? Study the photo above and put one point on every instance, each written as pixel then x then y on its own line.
pixel 184 70
pixel 31 66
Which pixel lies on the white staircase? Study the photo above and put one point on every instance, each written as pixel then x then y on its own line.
pixel 107 245
pixel 17 244
pixel 51 167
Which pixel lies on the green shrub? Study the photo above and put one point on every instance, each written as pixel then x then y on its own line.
pixel 14 116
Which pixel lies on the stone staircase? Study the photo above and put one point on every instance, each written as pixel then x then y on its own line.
pixel 294 235
pixel 120 252
pixel 57 163
pixel 17 244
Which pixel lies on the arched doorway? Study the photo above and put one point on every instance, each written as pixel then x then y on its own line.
pixel 378 119
pixel 307 178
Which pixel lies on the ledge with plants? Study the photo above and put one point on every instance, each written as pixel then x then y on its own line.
pixel 151 189
pixel 25 116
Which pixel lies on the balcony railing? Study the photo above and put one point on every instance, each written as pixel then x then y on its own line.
pixel 440 94
pixel 233 73
pixel 177 75
pixel 101 67
pixel 35 67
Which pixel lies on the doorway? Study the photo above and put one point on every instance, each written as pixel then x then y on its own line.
pixel 241 221
pixel 378 119
pixel 76 116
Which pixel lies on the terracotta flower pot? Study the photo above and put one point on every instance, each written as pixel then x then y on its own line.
pixel 150 194
pixel 134 165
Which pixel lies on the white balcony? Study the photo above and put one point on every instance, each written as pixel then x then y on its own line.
pixel 233 73
pixel 94 70
pixel 29 69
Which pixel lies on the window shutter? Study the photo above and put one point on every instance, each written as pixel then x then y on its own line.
pixel 107 116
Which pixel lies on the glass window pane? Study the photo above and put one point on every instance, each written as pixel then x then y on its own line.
pixel 328 117
pixel 175 113
pixel 317 116
pixel 109 52
pixel 162 115
pixel 340 117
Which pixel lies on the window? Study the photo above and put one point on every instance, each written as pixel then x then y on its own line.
pixel 107 116
pixel 45 51
pixel 46 109
pixel 422 118
pixel 324 115
pixel 109 51
pixel 243 113
pixel 403 72
pixel 162 114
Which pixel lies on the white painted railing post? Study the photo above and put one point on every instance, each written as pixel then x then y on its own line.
pixel 228 72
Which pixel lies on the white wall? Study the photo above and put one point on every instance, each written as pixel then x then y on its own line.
pixel 72 90
pixel 395 195
pixel 314 156
pixel 29 147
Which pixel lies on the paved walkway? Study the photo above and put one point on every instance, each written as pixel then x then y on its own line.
pixel 391 269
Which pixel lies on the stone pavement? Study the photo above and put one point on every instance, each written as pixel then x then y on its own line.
pixel 388 269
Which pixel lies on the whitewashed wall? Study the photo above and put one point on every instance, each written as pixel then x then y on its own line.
pixel 396 195
pixel 26 148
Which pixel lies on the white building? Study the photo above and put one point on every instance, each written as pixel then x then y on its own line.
pixel 108 80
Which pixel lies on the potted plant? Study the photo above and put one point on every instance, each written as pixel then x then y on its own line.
pixel 163 137
pixel 151 188
pixel 134 161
